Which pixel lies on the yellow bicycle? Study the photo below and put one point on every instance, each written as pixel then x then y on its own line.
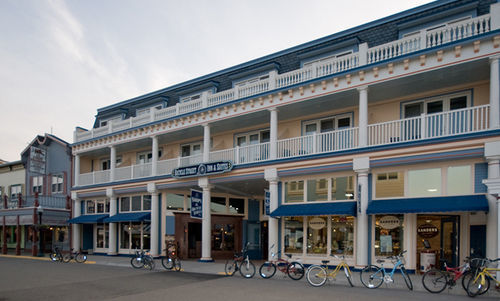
pixel 480 283
pixel 317 275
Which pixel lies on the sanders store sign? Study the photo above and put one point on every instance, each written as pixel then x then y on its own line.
pixel 203 169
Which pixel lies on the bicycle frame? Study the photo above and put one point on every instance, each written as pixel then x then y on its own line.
pixel 486 272
pixel 391 274
pixel 333 273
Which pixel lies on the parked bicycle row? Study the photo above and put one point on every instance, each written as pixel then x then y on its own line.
pixel 57 256
pixel 171 261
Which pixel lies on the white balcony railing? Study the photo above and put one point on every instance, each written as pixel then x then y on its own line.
pixel 427 39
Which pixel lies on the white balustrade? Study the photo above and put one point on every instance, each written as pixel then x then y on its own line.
pixel 123 173
pixel 101 176
pixel 224 155
pixel 190 160
pixel 253 88
pixel 190 106
pixel 337 65
pixel 165 113
pixel 80 136
pixel 141 119
pixel 402 130
pixel 393 49
pixel 221 97
pixel 119 125
pixel 459 30
pixel 86 179
pixel 142 170
pixel 294 77
pixel 100 131
pixel 165 167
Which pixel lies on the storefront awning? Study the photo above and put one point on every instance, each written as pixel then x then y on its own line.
pixel 88 219
pixel 430 204
pixel 129 217
pixel 343 208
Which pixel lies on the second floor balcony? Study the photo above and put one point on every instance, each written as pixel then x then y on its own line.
pixel 46 201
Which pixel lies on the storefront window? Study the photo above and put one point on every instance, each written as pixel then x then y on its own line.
pixel 388 234
pixel 218 204
pixel 317 235
pixel 389 184
pixel 317 190
pixel 294 234
pixel 90 207
pixel 343 188
pixel 136 203
pixel 125 236
pixel 100 206
pixel 175 201
pixel 424 182
pixel 237 206
pixel 146 202
pixel 102 236
pixel 135 230
pixel 125 204
pixel 342 235
pixel 146 236
pixel 294 191
pixel 223 237
pixel 459 180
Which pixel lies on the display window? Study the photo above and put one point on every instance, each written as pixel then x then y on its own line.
pixel 342 235
pixel 294 234
pixel 389 231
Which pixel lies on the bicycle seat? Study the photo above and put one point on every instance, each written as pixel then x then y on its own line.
pixel 380 260
pixel 325 261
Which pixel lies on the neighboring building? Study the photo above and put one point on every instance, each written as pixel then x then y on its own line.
pixel 41 206
pixel 366 143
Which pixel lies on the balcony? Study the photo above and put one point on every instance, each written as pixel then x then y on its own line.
pixel 426 126
pixel 426 40
pixel 59 202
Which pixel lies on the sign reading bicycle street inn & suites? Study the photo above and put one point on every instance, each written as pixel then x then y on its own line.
pixel 203 169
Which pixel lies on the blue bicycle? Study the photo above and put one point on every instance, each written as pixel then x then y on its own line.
pixel 373 276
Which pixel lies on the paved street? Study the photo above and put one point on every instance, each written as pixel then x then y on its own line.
pixel 28 279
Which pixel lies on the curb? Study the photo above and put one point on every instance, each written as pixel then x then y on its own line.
pixel 38 258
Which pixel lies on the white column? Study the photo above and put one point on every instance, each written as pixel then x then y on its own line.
pixel 206 222
pixel 206 142
pixel 77 169
pixel 363 116
pixel 112 163
pixel 154 160
pixel 493 215
pixel 113 228
pixel 75 228
pixel 271 175
pixel 410 241
pixel 273 133
pixel 494 92
pixel 155 221
pixel 363 250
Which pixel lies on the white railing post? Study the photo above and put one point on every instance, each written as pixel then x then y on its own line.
pixel 363 54
pixel 112 163
pixel 423 39
pixel 206 142
pixel 494 92
pixel 315 139
pixel 272 79
pixel 237 154
pixel 110 126
pixel 93 178
pixel 495 16
pixel 77 170
pixel 177 109
pixel 154 159
pixel 204 99
pixel 314 70
pixel 152 114
pixel 423 126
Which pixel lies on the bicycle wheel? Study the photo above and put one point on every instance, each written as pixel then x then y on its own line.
pixel 167 263
pixel 407 278
pixel 316 275
pixel 295 270
pixel 435 281
pixel 149 264
pixel 348 275
pixel 267 270
pixel 66 258
pixel 372 276
pixel 476 286
pixel 54 256
pixel 137 262
pixel 467 277
pixel 230 267
pixel 177 264
pixel 80 258
pixel 247 269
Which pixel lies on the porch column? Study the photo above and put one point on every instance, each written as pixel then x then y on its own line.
pixel 363 250
pixel 77 169
pixel 206 142
pixel 363 116
pixel 154 159
pixel 494 92
pixel 155 221
pixel 492 154
pixel 112 163
pixel 206 222
pixel 76 228
pixel 271 175
pixel 273 134
pixel 113 229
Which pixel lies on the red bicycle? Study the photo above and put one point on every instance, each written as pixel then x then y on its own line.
pixel 294 269
pixel 435 280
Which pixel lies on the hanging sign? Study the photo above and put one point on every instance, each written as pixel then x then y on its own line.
pixel 203 169
pixel 37 160
pixel 427 231
pixel 317 223
pixel 196 204
pixel 389 222
pixel 267 201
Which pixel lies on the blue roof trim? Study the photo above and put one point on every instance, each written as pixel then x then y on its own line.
pixel 430 204
pixel 129 217
pixel 331 208
pixel 88 219
pixel 338 35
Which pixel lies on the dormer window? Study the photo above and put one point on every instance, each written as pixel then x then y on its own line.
pixel 144 111
pixel 249 81
pixel 105 122
pixel 194 96
pixel 327 58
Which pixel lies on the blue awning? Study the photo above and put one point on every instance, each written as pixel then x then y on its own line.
pixel 342 208
pixel 430 204
pixel 88 219
pixel 129 217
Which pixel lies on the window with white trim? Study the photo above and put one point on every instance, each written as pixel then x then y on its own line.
pixel 250 81
pixel 147 110
pixel 327 58
pixel 37 184
pixel 327 124
pixel 15 190
pixel 57 183
pixel 135 203
pixel 191 149
pixel 147 156
pixel 105 122
pixel 194 96
pixel 255 137
pixel 437 104
pixel 106 163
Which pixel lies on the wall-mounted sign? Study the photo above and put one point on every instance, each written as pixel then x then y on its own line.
pixel 389 222
pixel 196 204
pixel 317 223
pixel 267 201
pixel 37 160
pixel 203 169
pixel 427 230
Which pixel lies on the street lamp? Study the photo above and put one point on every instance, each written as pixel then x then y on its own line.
pixel 40 237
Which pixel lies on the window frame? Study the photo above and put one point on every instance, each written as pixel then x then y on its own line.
pixel 445 98
pixel 351 183
pixel 317 123
pixel 60 185
pixel 14 196
pixel 130 203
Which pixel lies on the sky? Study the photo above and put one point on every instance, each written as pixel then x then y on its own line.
pixel 62 60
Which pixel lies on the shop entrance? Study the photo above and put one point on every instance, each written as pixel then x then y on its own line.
pixel 437 238
pixel 194 240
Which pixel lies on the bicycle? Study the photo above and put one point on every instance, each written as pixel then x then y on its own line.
pixel 480 283
pixel 142 259
pixel 171 261
pixel 436 280
pixel 373 276
pixel 317 275
pixel 294 269
pixel 77 256
pixel 242 263
pixel 56 255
